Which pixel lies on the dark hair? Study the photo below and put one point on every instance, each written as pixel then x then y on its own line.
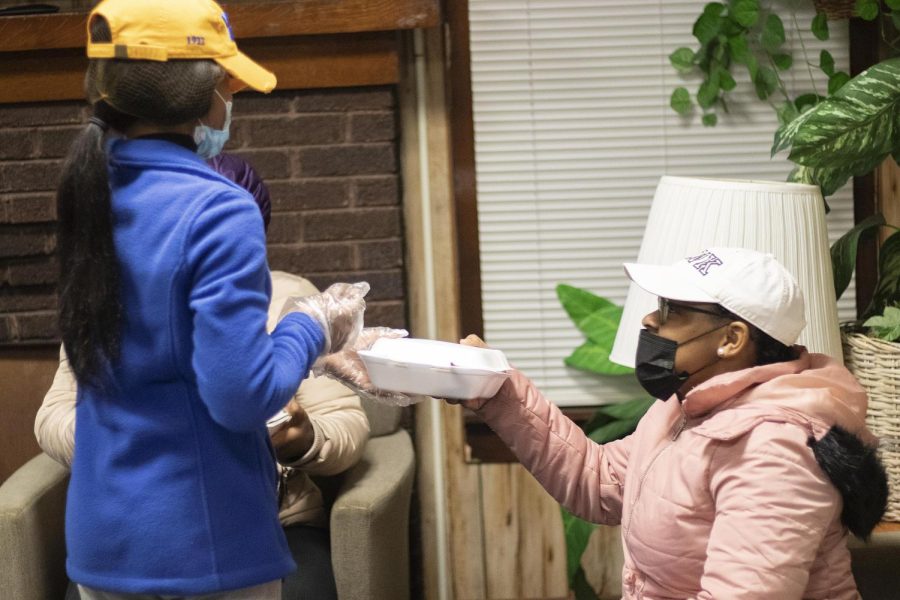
pixel 90 309
pixel 768 349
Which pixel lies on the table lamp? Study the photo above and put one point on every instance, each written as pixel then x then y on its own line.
pixel 786 220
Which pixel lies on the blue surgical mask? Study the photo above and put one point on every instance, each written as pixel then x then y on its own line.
pixel 211 141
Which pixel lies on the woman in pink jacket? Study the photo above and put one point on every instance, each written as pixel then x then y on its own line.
pixel 743 479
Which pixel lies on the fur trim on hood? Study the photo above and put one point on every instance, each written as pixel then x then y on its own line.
pixel 859 476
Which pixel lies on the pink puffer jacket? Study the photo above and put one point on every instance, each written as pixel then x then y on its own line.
pixel 719 496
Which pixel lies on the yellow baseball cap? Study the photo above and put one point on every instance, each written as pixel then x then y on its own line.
pixel 176 29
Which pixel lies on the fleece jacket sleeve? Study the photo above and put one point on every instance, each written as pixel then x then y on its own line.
pixel 244 374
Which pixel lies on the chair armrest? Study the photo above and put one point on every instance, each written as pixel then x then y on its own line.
pixel 370 522
pixel 32 531
pixel 875 565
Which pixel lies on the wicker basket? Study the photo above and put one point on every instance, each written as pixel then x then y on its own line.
pixel 835 9
pixel 876 364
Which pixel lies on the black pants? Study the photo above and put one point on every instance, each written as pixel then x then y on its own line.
pixel 314 577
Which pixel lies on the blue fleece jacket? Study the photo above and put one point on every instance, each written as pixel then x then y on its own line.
pixel 173 487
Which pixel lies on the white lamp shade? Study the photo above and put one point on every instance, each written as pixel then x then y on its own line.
pixel 786 220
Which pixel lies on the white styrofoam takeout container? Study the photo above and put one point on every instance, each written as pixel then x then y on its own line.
pixel 433 368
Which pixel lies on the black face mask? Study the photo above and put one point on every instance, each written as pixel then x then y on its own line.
pixel 655 363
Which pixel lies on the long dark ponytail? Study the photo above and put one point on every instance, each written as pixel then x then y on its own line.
pixel 121 92
pixel 90 308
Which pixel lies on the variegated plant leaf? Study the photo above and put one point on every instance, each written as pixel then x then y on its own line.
pixel 887 292
pixel 855 126
pixel 784 135
pixel 843 251
pixel 831 179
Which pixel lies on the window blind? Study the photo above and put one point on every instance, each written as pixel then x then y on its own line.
pixel 573 130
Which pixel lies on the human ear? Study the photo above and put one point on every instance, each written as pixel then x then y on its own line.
pixel 736 341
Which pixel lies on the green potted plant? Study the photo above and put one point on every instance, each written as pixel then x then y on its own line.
pixel 872 346
pixel 745 33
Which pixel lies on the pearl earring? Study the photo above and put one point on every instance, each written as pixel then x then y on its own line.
pixel 721 351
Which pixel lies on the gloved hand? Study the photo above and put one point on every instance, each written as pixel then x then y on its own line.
pixel 338 310
pixel 348 368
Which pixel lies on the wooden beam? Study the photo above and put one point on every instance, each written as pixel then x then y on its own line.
pixel 298 62
pixel 326 61
pixel 248 19
pixel 864 52
pixel 460 102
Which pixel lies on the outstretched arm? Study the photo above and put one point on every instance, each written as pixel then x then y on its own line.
pixel 587 478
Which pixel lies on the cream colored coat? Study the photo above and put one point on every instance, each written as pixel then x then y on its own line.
pixel 339 422
pixel 719 497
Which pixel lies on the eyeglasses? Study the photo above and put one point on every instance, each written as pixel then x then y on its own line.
pixel 665 306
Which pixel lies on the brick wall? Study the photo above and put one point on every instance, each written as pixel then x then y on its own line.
pixel 330 161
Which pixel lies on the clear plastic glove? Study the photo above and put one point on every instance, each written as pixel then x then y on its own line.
pixel 338 310
pixel 348 368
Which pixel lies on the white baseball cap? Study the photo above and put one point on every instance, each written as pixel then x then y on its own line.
pixel 750 284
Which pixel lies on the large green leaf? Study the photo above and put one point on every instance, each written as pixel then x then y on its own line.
pixel 577 533
pixel 581 587
pixel 801 174
pixel 682 59
pixel 783 61
pixel 784 135
pixel 867 9
pixel 726 81
pixel 766 82
pixel 829 180
pixel 772 34
pixel 804 102
pixel 681 101
pixel 613 421
pixel 708 92
pixel 579 303
pixel 745 12
pixel 856 125
pixel 630 410
pixel 820 26
pixel 836 81
pixel 886 326
pixel 740 50
pixel 594 358
pixel 887 291
pixel 708 24
pixel 786 112
pixel 601 325
pixel 613 430
pixel 826 62
pixel 843 252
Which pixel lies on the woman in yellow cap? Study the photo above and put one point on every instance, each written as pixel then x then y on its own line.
pixel 164 290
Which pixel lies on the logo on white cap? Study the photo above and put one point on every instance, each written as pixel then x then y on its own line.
pixel 704 262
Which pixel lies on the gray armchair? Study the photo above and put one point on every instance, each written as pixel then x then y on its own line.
pixel 369 521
